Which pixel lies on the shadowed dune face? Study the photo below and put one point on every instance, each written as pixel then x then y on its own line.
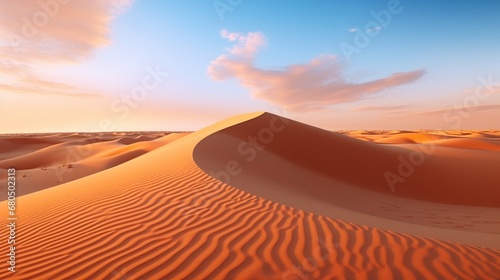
pixel 11 145
pixel 338 176
pixel 438 174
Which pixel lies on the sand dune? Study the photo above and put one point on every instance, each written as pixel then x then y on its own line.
pixel 440 174
pixel 162 216
pixel 66 157
pixel 325 173
pixel 422 136
pixel 10 146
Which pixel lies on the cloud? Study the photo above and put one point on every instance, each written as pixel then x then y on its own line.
pixel 382 108
pixel 296 88
pixel 376 28
pixel 354 29
pixel 48 32
pixel 19 78
pixel 58 29
pixel 246 45
pixel 453 109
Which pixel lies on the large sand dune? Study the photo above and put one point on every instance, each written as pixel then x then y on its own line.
pixel 301 204
pixel 338 176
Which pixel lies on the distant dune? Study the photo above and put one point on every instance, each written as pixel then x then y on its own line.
pixel 259 196
pixel 47 160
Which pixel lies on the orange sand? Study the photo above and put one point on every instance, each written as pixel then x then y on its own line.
pixel 310 204
pixel 46 160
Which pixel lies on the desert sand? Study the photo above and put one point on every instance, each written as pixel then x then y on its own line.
pixel 50 159
pixel 256 196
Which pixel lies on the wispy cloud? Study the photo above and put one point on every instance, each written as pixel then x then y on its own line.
pixel 375 29
pixel 443 111
pixel 48 32
pixel 20 78
pixel 382 108
pixel 302 87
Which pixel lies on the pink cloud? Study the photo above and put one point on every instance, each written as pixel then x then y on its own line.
pixel 302 87
pixel 50 31
pixel 246 46
pixel 62 29
pixel 494 107
pixel 383 108
pixel 19 78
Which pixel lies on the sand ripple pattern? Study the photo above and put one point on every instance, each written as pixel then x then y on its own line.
pixel 182 224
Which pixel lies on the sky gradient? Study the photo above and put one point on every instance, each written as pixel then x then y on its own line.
pixel 120 65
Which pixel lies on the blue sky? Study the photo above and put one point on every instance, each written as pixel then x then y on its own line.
pixel 423 62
